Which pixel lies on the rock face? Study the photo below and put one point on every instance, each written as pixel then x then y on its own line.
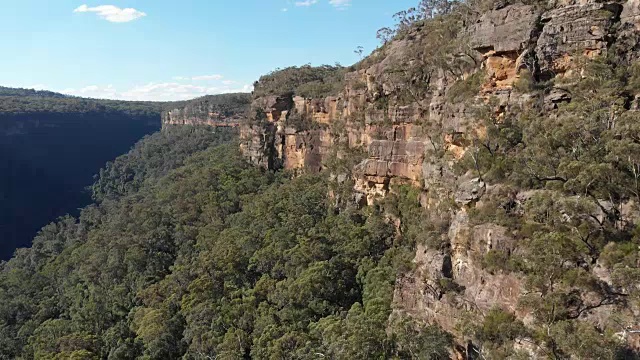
pixel 394 152
pixel 631 13
pixel 417 139
pixel 470 191
pixel 507 30
pixel 277 142
pixel 300 133
pixel 583 29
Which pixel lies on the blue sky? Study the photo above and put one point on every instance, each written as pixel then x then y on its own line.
pixel 177 49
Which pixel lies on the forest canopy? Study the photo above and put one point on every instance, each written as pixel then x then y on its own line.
pixel 192 251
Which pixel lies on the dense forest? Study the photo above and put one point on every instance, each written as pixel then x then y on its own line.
pixel 7 92
pixel 519 240
pixel 190 251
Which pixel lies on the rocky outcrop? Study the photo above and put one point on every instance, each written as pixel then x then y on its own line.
pixel 581 29
pixel 322 111
pixel 470 191
pixel 304 150
pixel 630 14
pixel 504 39
pixel 279 139
pixel 204 116
pixel 508 30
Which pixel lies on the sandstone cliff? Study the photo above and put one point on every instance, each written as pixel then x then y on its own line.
pixel 418 107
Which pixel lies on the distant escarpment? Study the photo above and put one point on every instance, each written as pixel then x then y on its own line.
pixel 518 125
pixel 227 110
pixel 51 145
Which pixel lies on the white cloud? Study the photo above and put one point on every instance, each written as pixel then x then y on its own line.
pixel 168 91
pixel 93 91
pixel 306 2
pixel 285 9
pixel 199 78
pixel 340 4
pixel 112 13
pixel 207 77
pixel 163 92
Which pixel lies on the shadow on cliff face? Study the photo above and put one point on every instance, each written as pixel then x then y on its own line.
pixel 47 161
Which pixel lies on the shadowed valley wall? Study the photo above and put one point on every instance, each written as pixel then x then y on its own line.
pixel 47 160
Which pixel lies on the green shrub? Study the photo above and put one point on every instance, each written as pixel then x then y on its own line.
pixel 447 285
pixel 359 85
pixel 500 327
pixel 302 123
pixel 495 261
pixel 466 89
pixel 420 341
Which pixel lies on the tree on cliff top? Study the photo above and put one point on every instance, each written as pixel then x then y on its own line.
pixel 307 81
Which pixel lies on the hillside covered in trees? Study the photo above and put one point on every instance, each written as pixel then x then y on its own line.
pixel 470 190
pixel 201 253
pixel 51 146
